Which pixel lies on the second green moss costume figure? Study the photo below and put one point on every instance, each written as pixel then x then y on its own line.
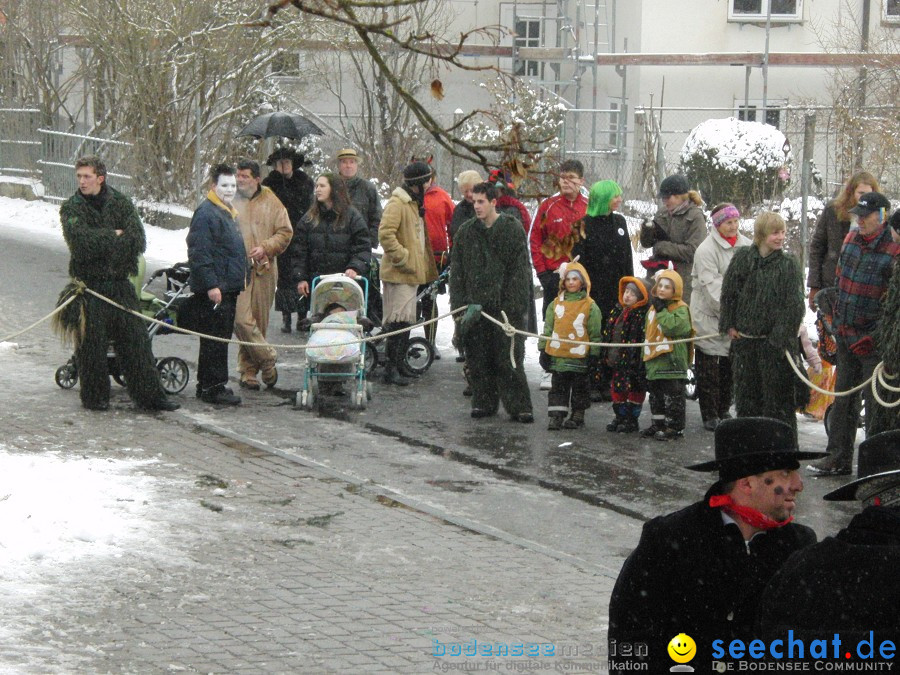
pixel 490 270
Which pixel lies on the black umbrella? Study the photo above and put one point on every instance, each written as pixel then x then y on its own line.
pixel 280 124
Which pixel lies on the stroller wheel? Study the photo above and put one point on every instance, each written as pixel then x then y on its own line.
pixel 419 355
pixel 66 376
pixel 362 399
pixel 173 374
pixel 371 358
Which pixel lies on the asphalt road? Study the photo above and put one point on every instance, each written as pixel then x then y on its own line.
pixel 587 491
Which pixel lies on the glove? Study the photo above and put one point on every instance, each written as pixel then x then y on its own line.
pixel 659 304
pixel 473 313
pixel 659 233
pixel 863 347
pixel 545 360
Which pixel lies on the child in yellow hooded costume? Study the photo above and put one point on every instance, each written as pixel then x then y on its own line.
pixel 668 318
pixel 572 315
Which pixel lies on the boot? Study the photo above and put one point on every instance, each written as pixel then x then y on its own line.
pixel 575 421
pixel 632 413
pixel 285 322
pixel 391 370
pixel 556 421
pixel 838 464
pixel 619 411
pixel 655 425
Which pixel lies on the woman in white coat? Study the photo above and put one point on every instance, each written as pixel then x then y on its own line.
pixel 712 362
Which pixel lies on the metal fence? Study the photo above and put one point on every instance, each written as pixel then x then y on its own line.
pixel 20 146
pixel 59 151
pixel 630 147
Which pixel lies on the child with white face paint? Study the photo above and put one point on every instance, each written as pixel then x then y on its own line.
pixel 571 315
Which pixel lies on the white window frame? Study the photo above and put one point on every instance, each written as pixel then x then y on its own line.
pixel 893 19
pixel 740 17
pixel 527 41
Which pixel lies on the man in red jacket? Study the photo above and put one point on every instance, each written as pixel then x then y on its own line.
pixel 551 232
pixel 438 214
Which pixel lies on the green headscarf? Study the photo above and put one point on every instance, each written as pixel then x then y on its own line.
pixel 602 193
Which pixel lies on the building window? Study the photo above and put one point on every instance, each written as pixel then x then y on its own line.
pixel 891 11
pixel 614 124
pixel 753 113
pixel 528 34
pixel 756 10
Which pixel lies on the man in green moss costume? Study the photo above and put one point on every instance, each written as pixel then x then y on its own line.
pixel 105 237
pixel 490 270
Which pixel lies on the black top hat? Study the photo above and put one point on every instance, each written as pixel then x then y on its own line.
pixel 870 202
pixel 879 458
pixel 746 446
pixel 287 153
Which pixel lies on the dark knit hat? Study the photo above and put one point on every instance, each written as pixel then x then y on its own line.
pixel 871 202
pixel 879 468
pixel 674 185
pixel 416 173
pixel 746 446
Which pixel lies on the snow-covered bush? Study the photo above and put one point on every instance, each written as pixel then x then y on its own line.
pixel 729 160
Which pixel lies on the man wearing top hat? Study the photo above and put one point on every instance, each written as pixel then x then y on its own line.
pixel 294 188
pixel 702 570
pixel 846 584
pixel 863 275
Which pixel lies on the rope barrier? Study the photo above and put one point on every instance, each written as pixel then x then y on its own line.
pixel 41 320
pixel 879 376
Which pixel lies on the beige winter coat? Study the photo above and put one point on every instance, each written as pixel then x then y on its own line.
pixel 407 252
pixel 264 221
pixel 710 262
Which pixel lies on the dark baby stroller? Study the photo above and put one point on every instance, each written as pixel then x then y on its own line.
pixel 173 371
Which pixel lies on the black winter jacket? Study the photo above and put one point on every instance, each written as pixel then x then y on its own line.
pixel 691 573
pixel 606 255
pixel 319 249
pixel 845 584
pixel 295 193
pixel 464 211
pixel 825 247
pixel 216 253
pixel 365 199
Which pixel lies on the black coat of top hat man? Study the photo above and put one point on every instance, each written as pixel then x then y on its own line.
pixel 706 565
pixel 846 584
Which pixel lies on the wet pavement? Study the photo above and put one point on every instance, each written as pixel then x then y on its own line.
pixel 507 524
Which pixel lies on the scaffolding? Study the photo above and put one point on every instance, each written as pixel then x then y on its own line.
pixel 572 33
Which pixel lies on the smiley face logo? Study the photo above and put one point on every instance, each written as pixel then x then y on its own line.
pixel 682 648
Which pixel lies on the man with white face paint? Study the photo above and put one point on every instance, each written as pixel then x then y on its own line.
pixel 219 271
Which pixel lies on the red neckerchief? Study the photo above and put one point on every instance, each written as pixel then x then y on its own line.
pixel 749 515
pixel 731 240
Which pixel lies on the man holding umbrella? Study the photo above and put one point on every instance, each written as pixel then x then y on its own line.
pixel 295 190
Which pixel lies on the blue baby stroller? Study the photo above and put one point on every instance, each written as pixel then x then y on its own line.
pixel 336 303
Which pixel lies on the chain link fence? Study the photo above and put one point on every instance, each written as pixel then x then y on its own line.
pixel 59 151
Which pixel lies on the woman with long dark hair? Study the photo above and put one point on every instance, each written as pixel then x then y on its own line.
pixel 332 237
